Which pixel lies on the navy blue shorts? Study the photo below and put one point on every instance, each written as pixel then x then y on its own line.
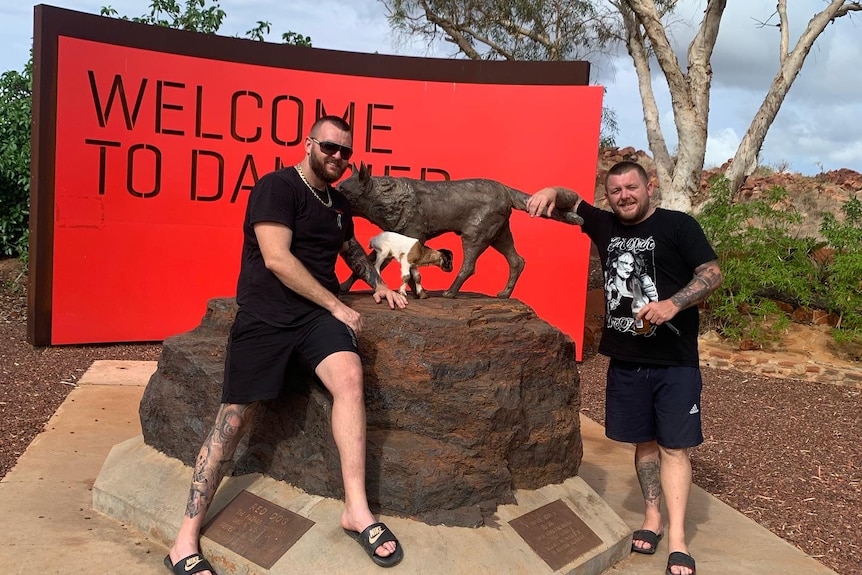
pixel 653 402
pixel 260 357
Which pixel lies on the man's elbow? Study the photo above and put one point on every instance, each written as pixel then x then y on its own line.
pixel 716 277
pixel 275 263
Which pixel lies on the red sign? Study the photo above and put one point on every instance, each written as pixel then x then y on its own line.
pixel 155 153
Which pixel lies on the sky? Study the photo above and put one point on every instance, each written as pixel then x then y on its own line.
pixel 818 128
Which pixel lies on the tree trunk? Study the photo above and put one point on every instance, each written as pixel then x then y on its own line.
pixel 689 98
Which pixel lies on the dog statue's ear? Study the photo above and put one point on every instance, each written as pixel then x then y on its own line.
pixel 363 171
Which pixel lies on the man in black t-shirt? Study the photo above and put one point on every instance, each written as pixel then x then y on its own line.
pixel 296 224
pixel 658 266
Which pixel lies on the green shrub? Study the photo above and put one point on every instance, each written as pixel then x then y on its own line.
pixel 15 89
pixel 843 285
pixel 762 261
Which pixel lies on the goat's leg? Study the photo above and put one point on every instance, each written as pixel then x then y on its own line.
pixel 416 284
pixel 505 244
pixel 405 276
pixel 404 282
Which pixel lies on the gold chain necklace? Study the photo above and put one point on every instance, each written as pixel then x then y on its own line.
pixel 328 202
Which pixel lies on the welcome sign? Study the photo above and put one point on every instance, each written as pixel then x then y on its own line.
pixel 148 141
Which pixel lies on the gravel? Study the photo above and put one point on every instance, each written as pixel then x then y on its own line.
pixel 786 453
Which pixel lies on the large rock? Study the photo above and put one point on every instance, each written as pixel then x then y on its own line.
pixel 467 400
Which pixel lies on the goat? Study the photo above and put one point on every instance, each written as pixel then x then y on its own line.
pixel 410 253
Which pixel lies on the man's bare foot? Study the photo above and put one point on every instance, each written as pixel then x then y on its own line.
pixel 179 552
pixel 645 541
pixel 642 540
pixel 359 524
pixel 680 563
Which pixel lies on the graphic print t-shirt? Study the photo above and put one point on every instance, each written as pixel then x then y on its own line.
pixel 647 262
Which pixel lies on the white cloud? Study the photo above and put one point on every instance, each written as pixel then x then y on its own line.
pixel 720 147
pixel 820 122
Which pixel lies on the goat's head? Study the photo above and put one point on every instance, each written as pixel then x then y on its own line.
pixel 446 259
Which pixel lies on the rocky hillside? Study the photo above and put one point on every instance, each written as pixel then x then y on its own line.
pixel 812 196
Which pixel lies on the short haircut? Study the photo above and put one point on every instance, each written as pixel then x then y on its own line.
pixel 626 166
pixel 336 121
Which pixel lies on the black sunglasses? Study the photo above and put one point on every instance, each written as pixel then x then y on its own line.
pixel 330 148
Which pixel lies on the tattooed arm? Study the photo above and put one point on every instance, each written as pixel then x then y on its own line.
pixel 707 278
pixel 545 200
pixel 359 264
pixel 361 267
pixel 274 240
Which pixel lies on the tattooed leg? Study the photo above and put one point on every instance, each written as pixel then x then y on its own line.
pixel 648 468
pixel 215 455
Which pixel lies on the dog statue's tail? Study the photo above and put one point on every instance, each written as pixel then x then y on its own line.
pixel 519 202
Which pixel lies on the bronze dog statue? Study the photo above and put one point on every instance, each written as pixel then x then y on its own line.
pixel 477 209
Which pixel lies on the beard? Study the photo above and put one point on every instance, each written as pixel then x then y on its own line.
pixel 327 171
pixel 630 217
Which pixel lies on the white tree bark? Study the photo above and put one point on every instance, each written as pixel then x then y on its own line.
pixel 645 36
pixel 636 46
pixel 689 97
pixel 745 160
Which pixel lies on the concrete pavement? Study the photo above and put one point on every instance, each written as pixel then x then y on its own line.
pixel 50 525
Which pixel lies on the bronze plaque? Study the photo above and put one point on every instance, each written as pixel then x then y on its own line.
pixel 555 533
pixel 257 529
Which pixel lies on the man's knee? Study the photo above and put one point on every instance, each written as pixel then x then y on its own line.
pixel 341 373
pixel 674 453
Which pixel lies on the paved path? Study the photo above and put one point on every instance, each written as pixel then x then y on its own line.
pixel 49 526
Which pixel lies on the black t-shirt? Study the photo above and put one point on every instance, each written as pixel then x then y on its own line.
pixel 648 261
pixel 319 233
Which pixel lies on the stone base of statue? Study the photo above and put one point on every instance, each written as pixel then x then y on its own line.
pixel 468 399
pixel 473 421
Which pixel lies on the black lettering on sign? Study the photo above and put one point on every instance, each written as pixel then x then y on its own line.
pixel 370 127
pixel 234 115
pixel 103 113
pixel 103 159
pixel 348 115
pixel 248 164
pixel 157 171
pixel 426 171
pixel 161 105
pixel 199 106
pixel 296 119
pixel 196 154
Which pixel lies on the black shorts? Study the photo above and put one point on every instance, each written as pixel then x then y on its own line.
pixel 260 357
pixel 654 402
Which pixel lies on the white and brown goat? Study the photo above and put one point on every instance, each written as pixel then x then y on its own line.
pixel 410 253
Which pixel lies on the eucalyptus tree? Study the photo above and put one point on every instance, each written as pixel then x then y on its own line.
pixel 551 30
pixel 567 29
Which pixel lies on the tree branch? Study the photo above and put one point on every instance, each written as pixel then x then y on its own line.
pixel 452 30
pixel 784 26
pixel 667 60
pixel 744 160
pixel 637 49
pixel 488 42
pixel 700 54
